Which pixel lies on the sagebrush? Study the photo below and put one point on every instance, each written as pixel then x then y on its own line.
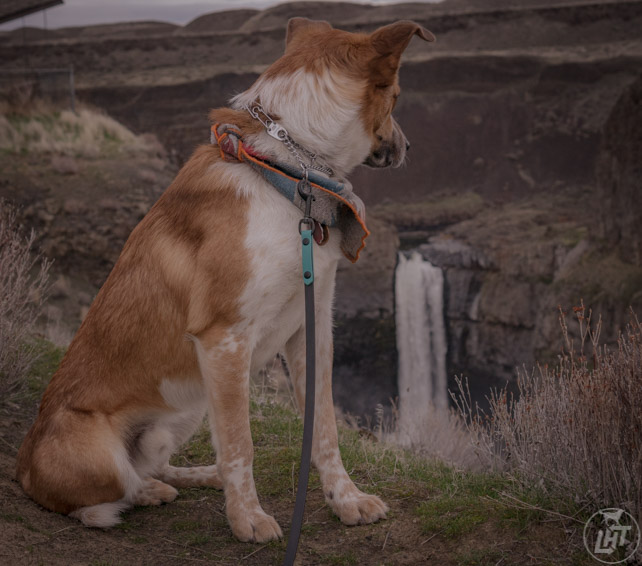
pixel 575 429
pixel 24 278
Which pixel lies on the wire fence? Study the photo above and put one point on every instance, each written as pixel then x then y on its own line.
pixel 21 87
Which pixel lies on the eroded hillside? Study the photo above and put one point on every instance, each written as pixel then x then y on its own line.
pixel 506 114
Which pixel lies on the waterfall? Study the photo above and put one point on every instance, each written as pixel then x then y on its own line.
pixel 421 342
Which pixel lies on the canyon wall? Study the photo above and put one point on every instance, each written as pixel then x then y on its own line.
pixel 522 182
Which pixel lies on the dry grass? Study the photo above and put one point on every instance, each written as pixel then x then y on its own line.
pixel 23 287
pixel 576 429
pixel 439 434
pixel 431 212
pixel 87 133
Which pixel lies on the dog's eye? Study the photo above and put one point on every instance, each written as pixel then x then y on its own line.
pixel 382 86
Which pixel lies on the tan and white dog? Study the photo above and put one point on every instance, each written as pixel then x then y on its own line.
pixel 206 291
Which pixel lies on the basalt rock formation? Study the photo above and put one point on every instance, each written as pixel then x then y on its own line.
pixel 619 177
pixel 522 181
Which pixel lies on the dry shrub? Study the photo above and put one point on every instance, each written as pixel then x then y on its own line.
pixel 87 133
pixel 576 429
pixel 23 287
pixel 439 434
pixel 23 98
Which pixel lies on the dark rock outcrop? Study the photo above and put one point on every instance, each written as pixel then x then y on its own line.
pixel 229 20
pixel 365 349
pixel 619 177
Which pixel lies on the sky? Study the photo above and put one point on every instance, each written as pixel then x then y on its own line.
pixel 89 12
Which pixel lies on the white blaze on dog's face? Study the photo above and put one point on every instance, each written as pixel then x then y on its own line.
pixel 334 91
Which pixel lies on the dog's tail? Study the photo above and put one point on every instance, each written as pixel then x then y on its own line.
pixel 103 515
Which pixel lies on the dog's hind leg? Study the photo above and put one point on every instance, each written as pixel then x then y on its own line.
pixel 136 462
pixel 139 491
pixel 198 476
pixel 154 492
pixel 104 515
pixel 225 366
pixel 77 463
pixel 154 446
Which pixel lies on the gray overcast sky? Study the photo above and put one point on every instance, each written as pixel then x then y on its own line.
pixel 88 12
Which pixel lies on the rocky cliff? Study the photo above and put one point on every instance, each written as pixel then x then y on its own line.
pixel 619 177
pixel 518 95
pixel 510 114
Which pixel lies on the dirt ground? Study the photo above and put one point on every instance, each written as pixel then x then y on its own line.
pixel 193 529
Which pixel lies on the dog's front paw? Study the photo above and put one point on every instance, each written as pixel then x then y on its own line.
pixel 255 526
pixel 354 507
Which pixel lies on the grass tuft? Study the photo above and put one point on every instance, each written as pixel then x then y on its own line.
pixel 24 284
pixel 87 133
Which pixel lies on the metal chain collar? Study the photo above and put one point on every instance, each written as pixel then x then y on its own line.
pixel 278 132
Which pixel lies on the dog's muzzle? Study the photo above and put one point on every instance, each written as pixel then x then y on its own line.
pixel 390 152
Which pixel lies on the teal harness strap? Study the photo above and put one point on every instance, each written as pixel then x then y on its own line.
pixel 306 256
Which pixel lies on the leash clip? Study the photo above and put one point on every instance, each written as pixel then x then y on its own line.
pixel 308 222
pixel 305 192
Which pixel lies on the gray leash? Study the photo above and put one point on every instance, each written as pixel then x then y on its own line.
pixel 306 226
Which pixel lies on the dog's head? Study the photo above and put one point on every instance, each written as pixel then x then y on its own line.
pixel 335 91
pixel 389 144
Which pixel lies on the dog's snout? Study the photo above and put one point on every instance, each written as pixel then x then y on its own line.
pixel 407 145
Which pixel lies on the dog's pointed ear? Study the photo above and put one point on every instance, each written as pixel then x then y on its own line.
pixel 392 40
pixel 298 25
pixel 389 42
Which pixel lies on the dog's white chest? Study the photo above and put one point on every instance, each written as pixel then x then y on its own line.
pixel 272 304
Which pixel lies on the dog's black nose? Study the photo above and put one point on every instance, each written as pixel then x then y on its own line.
pixel 407 145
